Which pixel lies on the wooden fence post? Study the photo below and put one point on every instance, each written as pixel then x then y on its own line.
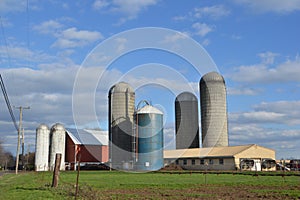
pixel 56 170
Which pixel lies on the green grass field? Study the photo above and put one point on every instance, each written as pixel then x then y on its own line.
pixel 168 185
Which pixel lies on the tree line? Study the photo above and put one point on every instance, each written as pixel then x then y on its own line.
pixel 8 160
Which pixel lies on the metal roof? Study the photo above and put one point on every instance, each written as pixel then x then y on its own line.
pixel 149 109
pixel 229 151
pixel 88 137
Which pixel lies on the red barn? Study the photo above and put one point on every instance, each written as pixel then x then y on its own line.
pixel 90 146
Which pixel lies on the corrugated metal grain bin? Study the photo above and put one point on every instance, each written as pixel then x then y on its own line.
pixel 149 135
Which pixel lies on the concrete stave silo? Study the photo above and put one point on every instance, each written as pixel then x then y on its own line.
pixel 42 148
pixel 121 110
pixel 57 145
pixel 186 121
pixel 213 110
pixel 149 136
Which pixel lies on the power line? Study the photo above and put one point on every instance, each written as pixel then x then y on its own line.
pixel 8 103
pixel 28 35
pixel 5 42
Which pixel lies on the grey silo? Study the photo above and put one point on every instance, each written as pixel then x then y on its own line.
pixel 186 121
pixel 213 110
pixel 121 109
pixel 42 148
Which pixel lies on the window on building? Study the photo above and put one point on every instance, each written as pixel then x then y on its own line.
pixel 221 161
pixel 193 162
pixel 202 162
pixel 211 161
pixel 184 162
pixel 177 162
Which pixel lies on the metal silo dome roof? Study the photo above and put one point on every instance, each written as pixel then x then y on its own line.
pixel 186 96
pixel 149 109
pixel 121 87
pixel 212 77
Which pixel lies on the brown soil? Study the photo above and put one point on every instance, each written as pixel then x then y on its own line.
pixel 204 192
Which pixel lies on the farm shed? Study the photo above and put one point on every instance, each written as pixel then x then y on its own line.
pixel 245 157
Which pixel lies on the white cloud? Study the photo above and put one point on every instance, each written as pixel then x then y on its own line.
pixel 263 116
pixel 48 27
pixel 132 7
pixel 169 137
pixel 179 18
pixel 276 6
pixel 121 44
pixel 129 9
pixel 12 6
pixel 205 42
pixel 74 34
pixel 211 12
pixel 215 11
pixel 288 71
pixel 268 57
pixel 19 56
pixel 279 106
pixel 72 37
pixel 243 91
pixel 50 97
pixel 17 52
pixel 292 115
pixel 271 125
pixel 258 117
pixel 99 4
pixel 67 38
pixel 202 29
pixel 279 112
pixel 175 37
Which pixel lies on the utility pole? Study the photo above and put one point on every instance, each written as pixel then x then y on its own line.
pixel 19 134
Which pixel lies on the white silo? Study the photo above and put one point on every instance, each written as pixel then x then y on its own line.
pixel 57 145
pixel 42 148
pixel 213 110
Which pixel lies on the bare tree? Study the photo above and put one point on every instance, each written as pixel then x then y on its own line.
pixel 6 158
pixel 2 155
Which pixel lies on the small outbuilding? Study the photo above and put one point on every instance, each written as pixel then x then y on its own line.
pixel 245 157
pixel 90 146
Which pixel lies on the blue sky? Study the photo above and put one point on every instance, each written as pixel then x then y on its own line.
pixel 254 45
